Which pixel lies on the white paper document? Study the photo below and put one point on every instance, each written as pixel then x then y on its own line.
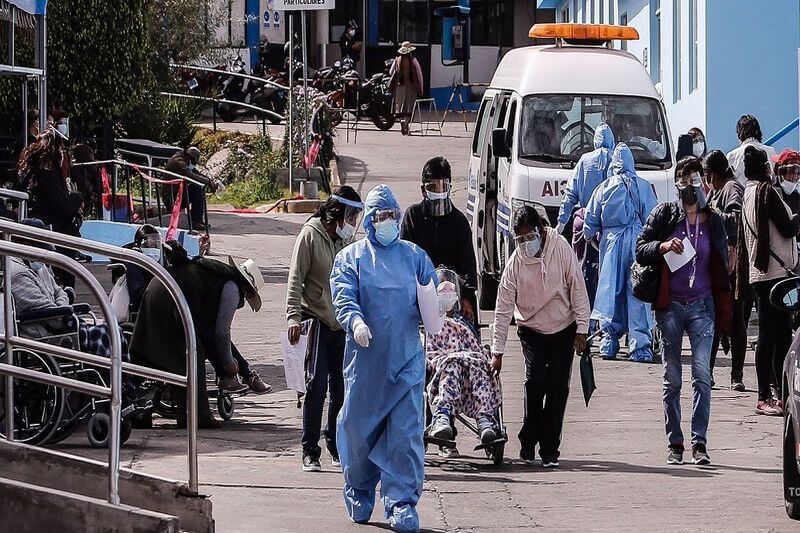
pixel 676 261
pixel 428 302
pixel 294 361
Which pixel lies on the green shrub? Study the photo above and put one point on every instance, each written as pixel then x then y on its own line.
pixel 249 173
pixel 163 119
pixel 210 142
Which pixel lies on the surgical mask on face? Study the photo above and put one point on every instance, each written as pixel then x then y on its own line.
pixel 789 186
pixel 152 253
pixel 351 33
pixel 387 232
pixel 345 232
pixel 36 266
pixel 531 249
pixel 699 148
pixel 693 195
pixel 447 300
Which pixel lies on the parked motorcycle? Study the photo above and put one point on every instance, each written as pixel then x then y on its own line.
pixel 371 99
pixel 260 94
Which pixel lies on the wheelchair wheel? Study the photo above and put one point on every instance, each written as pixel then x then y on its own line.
pixel 496 453
pixel 38 408
pixel 225 406
pixel 98 430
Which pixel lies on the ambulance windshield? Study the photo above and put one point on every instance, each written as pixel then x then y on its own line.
pixel 558 129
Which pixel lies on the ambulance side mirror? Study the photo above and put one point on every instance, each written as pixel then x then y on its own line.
pixel 500 146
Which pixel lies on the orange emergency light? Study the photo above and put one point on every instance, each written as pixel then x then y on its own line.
pixel 583 32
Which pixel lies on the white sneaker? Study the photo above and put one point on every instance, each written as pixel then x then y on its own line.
pixel 447 452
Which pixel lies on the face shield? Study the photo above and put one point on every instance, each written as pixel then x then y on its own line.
pixel 692 179
pixel 151 246
pixel 437 197
pixel 529 244
pixel 449 290
pixel 353 211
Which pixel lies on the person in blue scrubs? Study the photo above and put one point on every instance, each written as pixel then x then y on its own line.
pixel 379 436
pixel 617 211
pixel 591 171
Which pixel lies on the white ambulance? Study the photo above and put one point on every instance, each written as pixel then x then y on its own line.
pixel 538 117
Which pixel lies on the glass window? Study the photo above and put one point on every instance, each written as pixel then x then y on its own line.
pixel 480 128
pixel 591 11
pixel 492 22
pixel 602 12
pixel 559 129
pixel 565 15
pixel 413 21
pixel 676 50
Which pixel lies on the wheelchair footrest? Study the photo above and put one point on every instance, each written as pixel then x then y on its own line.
pixel 501 440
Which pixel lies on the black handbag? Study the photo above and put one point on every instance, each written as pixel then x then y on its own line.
pixel 645 280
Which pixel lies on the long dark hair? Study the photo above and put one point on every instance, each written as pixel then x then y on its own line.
pixel 332 209
pixel 42 154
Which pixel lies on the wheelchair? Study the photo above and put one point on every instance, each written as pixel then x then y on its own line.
pixel 495 450
pixel 45 414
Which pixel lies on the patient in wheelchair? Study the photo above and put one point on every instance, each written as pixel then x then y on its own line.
pixel 35 291
pixel 461 380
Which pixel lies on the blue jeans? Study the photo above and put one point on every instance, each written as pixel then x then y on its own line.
pixel 697 320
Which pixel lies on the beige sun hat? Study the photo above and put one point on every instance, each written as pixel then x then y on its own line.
pixel 252 275
pixel 406 48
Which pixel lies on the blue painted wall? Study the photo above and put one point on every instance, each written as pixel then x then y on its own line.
pixel 752 66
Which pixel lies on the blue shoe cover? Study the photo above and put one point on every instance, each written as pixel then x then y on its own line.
pixel 404 519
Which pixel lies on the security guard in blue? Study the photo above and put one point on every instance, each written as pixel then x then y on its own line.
pixel 379 436
pixel 617 211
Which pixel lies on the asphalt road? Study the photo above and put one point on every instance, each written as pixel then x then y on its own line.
pixel 613 474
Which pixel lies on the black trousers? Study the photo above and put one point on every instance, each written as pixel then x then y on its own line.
pixel 774 339
pixel 742 308
pixel 548 364
pixel 328 378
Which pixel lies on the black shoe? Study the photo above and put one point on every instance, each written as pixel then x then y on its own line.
pixel 550 462
pixel 311 463
pixel 675 456
pixel 700 455
pixel 527 457
pixel 737 386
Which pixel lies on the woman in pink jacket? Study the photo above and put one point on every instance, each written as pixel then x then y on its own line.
pixel 543 288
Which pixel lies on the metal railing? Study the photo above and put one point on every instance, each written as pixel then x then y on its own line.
pixel 780 134
pixel 17 196
pixel 115 364
pixel 229 73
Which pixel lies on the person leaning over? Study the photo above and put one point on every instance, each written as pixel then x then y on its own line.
pixel 542 287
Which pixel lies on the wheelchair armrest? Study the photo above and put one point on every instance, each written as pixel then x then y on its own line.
pixel 70 294
pixel 81 308
pixel 48 312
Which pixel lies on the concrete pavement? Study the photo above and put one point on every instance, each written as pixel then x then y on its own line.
pixel 613 475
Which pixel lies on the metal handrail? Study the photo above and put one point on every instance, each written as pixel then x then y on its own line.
pixel 224 101
pixel 229 73
pixel 8 228
pixel 114 391
pixel 780 134
pixel 141 167
pixel 19 196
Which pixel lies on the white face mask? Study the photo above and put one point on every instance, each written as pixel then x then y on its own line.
pixel 530 249
pixel 438 195
pixel 36 266
pixel 699 148
pixel 152 253
pixel 789 186
pixel 346 232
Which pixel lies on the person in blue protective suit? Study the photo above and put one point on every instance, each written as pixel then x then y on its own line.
pixel 379 436
pixel 591 171
pixel 617 211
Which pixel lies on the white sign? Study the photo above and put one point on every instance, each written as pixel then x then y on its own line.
pixel 300 5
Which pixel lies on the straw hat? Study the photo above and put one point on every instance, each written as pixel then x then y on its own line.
pixel 406 48
pixel 252 275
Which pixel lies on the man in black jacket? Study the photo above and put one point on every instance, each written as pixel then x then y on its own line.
pixel 436 226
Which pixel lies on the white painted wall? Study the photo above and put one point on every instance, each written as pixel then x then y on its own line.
pixel 482 64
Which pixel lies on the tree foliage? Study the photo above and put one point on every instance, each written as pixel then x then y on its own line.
pixel 98 56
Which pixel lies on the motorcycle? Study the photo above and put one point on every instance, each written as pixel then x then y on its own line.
pixel 371 99
pixel 260 94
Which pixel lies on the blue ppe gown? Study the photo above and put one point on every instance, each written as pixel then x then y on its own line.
pixel 380 425
pixel 617 210
pixel 591 171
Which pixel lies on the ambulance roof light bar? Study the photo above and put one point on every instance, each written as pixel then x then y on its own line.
pixel 590 33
